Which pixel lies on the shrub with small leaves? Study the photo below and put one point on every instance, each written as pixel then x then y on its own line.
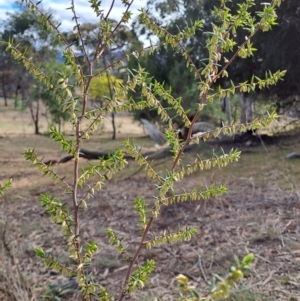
pixel 4 187
pixel 220 287
pixel 77 75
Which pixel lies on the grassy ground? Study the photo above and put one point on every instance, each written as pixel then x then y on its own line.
pixel 260 214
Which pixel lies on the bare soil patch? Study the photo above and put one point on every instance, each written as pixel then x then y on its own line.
pixel 259 214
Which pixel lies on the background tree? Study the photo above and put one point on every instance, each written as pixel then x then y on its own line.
pixel 39 43
pixel 125 41
pixel 275 50
pixel 16 26
pixel 100 87
pixel 167 65
pixel 103 87
pixel 53 106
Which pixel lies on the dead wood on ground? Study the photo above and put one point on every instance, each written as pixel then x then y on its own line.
pixel 248 139
pixel 95 155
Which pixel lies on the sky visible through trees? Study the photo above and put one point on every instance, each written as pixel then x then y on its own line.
pixel 65 16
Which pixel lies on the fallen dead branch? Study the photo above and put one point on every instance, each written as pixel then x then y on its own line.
pixel 95 155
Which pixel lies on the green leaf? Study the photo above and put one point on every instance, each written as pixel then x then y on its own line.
pixel 248 259
pixel 39 252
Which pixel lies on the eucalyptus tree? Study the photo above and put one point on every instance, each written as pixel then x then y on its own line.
pixel 14 26
pixel 24 28
pixel 220 42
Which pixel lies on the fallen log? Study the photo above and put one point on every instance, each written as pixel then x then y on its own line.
pixel 95 155
pixel 89 155
pixel 155 134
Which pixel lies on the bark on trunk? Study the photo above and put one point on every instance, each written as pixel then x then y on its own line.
pixel 4 90
pixel 111 96
pixel 113 126
pixel 227 109
pixel 247 108
pixel 36 127
pixel 35 116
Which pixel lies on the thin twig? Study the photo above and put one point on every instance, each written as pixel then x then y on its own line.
pixel 211 262
pixel 142 167
pixel 79 32
pixel 202 271
pixel 61 36
pixel 110 9
pixel 189 135
pixel 137 252
pixel 100 48
pixel 169 251
pixel 258 27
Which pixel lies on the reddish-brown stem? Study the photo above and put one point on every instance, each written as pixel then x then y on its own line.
pixel 110 9
pixel 204 97
pixel 78 135
pixel 100 48
pixel 258 27
pixel 136 254
pixel 189 135
pixel 75 240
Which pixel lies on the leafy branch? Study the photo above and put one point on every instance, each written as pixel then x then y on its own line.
pixel 77 74
pixel 4 187
pixel 32 156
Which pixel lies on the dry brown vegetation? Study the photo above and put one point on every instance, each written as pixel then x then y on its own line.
pixel 259 214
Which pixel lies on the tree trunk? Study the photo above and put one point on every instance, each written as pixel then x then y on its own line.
pixel 113 126
pixel 35 116
pixel 36 127
pixel 247 108
pixel 4 90
pixel 112 114
pixel 227 109
pixel 111 96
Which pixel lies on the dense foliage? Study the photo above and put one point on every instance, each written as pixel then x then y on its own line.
pixel 276 50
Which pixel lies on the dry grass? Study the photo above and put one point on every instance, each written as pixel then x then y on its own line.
pixel 18 122
pixel 260 214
